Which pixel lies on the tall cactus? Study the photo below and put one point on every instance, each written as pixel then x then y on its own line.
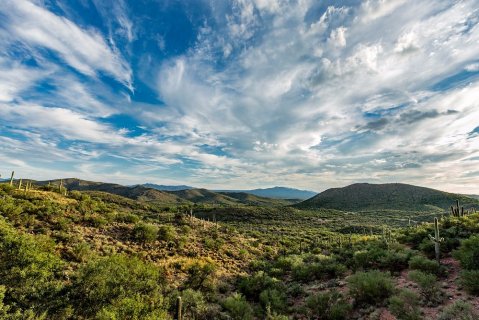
pixel 178 310
pixel 20 184
pixel 437 240
pixel 11 178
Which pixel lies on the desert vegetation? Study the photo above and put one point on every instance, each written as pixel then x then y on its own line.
pixel 95 255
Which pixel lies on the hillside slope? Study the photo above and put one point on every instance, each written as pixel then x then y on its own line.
pixel 394 196
pixel 140 193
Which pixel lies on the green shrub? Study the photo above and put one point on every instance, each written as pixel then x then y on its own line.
pixel 468 253
pixel 238 307
pixel 459 310
pixel 200 274
pixel 96 220
pixel 252 286
pixel 427 247
pixel 10 209
pixel 395 261
pixel 194 304
pixel 370 287
pixel 81 252
pixel 30 269
pixel 405 305
pixel 289 262
pixel 3 308
pixel 376 256
pixel 429 287
pixel 118 287
pixel 127 217
pixel 166 233
pixel 424 264
pixel 328 306
pixel 274 299
pixel 145 232
pixel 136 306
pixel 470 280
pixel 322 269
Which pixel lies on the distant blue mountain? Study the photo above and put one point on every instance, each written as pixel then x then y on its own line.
pixel 275 192
pixel 283 193
pixel 167 188
pixel 278 193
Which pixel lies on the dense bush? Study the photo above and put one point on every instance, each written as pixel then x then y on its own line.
pixel 81 252
pixel 371 287
pixel 273 299
pixel 252 286
pixel 405 305
pixel 127 217
pixel 468 253
pixel 238 307
pixel 193 304
pixel 145 232
pixel 428 286
pixel 200 274
pixel 318 268
pixel 29 269
pixel 459 310
pixel 328 306
pixel 424 264
pixel 166 233
pixel 119 287
pixel 469 279
pixel 377 256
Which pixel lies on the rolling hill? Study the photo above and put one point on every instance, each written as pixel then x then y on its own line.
pixel 393 196
pixel 272 193
pixel 140 193
pixel 204 196
pixel 183 196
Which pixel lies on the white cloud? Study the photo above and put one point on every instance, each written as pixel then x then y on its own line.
pixel 473 67
pixel 69 124
pixel 14 78
pixel 338 37
pixel 286 105
pixel 301 93
pixel 84 50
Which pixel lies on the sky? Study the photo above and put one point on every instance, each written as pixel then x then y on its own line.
pixel 242 93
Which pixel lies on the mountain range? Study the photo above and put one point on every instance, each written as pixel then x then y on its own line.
pixel 274 192
pixel 175 197
pixel 355 197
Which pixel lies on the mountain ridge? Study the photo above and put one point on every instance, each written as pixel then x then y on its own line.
pixel 389 196
pixel 272 192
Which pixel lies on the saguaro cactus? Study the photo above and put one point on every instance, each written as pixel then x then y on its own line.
pixel 437 240
pixel 178 310
pixel 20 184
pixel 11 178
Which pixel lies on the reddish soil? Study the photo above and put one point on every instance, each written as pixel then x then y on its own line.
pixel 449 285
pixel 386 315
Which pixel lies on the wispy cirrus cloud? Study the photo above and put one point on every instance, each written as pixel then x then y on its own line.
pixel 84 50
pixel 247 92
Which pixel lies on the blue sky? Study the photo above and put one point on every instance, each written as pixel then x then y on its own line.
pixel 242 93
